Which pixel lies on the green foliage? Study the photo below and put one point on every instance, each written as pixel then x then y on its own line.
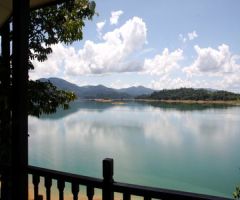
pixel 44 97
pixel 48 26
pixel 236 194
pixel 193 94
pixel 59 23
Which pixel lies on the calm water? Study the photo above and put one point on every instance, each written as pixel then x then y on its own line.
pixel 191 148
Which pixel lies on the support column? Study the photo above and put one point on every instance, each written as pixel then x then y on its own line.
pixel 19 99
pixel 5 111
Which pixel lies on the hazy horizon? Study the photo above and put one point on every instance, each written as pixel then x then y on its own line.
pixel 136 86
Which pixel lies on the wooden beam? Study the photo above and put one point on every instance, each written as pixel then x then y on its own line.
pixel 19 99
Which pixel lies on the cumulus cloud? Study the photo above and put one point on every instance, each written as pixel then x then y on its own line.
pixel 113 54
pixel 51 67
pixel 192 35
pixel 163 63
pixel 217 61
pixel 115 16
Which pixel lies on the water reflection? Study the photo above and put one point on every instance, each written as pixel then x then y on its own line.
pixel 134 105
pixel 195 150
pixel 188 107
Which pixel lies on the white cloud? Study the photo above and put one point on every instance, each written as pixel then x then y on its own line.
pixel 100 26
pixel 192 35
pixel 50 67
pixel 118 84
pixel 171 81
pixel 167 82
pixel 111 55
pixel 189 36
pixel 182 38
pixel 115 16
pixel 217 61
pixel 230 82
pixel 163 63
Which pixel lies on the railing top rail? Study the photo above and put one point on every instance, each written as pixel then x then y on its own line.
pixel 165 194
pixel 68 177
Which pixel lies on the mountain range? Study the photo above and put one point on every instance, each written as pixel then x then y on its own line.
pixel 99 91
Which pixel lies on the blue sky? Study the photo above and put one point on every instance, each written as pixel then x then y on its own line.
pixel 155 43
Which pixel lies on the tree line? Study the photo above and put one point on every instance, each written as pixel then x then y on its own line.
pixel 192 94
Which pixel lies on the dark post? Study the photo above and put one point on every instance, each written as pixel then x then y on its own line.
pixel 60 186
pixel 48 184
pixel 36 181
pixel 107 193
pixel 19 99
pixel 5 109
pixel 90 192
pixel 75 190
pixel 5 77
pixel 126 196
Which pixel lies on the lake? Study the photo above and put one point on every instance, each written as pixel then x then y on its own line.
pixel 185 147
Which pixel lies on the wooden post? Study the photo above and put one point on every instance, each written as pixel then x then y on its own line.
pixel 5 112
pixel 107 193
pixel 5 33
pixel 19 99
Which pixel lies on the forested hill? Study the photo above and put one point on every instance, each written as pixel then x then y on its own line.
pixel 191 94
pixel 98 91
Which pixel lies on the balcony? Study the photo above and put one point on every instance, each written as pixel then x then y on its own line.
pixel 13 182
pixel 107 185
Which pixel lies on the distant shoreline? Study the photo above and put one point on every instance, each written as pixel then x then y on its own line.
pixel 207 102
pixel 204 102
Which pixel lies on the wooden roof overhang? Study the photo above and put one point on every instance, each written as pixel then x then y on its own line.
pixel 6 7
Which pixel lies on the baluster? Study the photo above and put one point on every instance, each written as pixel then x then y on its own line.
pixel 147 198
pixel 40 197
pixel 35 181
pixel 90 192
pixel 61 185
pixel 48 185
pixel 126 196
pixel 75 190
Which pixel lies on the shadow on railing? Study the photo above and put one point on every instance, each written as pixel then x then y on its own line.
pixel 107 185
